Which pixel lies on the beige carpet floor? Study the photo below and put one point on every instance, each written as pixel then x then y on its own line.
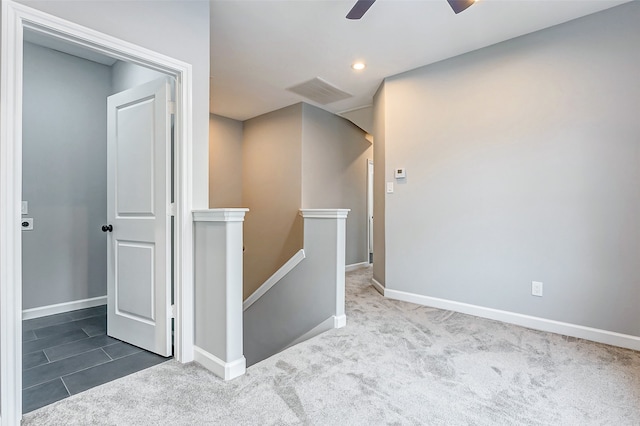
pixel 394 363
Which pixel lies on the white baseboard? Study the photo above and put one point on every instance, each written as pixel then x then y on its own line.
pixel 536 323
pixel 378 286
pixel 356 266
pixel 339 321
pixel 224 370
pixel 59 308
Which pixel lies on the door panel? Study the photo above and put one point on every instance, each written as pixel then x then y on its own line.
pixel 135 158
pixel 134 285
pixel 138 198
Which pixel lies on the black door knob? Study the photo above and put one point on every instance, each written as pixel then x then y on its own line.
pixel 107 228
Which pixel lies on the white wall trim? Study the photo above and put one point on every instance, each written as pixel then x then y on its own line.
pixel 339 321
pixel 324 213
pixel 220 215
pixel 536 323
pixel 184 288
pixel 15 18
pixel 59 308
pixel 273 279
pixel 224 370
pixel 10 194
pixel 379 287
pixel 356 266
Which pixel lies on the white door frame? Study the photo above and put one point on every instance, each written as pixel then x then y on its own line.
pixel 370 196
pixel 15 18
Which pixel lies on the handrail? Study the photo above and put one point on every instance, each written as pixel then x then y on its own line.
pixel 273 279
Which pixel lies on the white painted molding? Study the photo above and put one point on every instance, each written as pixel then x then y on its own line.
pixel 219 215
pixel 324 213
pixel 339 321
pixel 10 194
pixel 340 259
pixel 15 18
pixel 273 279
pixel 356 266
pixel 224 370
pixel 536 323
pixel 379 287
pixel 59 308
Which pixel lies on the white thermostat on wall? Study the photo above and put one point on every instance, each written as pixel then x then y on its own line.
pixel 400 173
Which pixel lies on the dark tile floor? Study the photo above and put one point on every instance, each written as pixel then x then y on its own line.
pixel 68 353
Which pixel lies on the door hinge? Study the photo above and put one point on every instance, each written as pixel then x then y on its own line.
pixel 172 209
pixel 172 107
pixel 172 311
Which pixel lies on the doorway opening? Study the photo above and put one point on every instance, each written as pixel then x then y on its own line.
pixel 67 257
pixel 17 20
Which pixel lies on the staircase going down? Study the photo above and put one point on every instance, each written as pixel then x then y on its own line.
pixel 303 298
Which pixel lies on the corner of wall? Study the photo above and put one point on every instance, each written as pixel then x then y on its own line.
pixel 225 162
pixel 271 189
pixel 379 157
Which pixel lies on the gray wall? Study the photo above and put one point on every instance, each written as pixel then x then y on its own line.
pixel 225 162
pixel 64 177
pixel 272 190
pixel 334 173
pixel 179 29
pixel 362 117
pixel 125 75
pixel 296 157
pixel 523 164
pixel 303 299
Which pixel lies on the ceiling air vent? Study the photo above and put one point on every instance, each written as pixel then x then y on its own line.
pixel 319 91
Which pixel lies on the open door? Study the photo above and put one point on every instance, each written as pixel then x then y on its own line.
pixel 139 216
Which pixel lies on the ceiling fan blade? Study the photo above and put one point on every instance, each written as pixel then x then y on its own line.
pixel 359 9
pixel 460 5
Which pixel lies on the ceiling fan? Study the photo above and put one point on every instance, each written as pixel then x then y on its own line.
pixel 361 7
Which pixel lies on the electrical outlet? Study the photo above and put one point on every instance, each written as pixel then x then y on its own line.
pixel 536 288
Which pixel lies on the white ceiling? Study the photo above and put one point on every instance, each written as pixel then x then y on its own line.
pixel 261 47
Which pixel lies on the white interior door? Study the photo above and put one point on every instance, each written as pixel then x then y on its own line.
pixel 138 211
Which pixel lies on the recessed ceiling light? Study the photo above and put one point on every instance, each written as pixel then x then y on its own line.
pixel 358 66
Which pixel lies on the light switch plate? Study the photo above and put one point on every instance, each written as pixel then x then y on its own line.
pixel 25 207
pixel 389 187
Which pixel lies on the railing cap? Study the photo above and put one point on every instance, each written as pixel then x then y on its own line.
pixel 219 215
pixel 324 213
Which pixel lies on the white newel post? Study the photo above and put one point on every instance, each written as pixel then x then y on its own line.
pixel 218 291
pixel 328 228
